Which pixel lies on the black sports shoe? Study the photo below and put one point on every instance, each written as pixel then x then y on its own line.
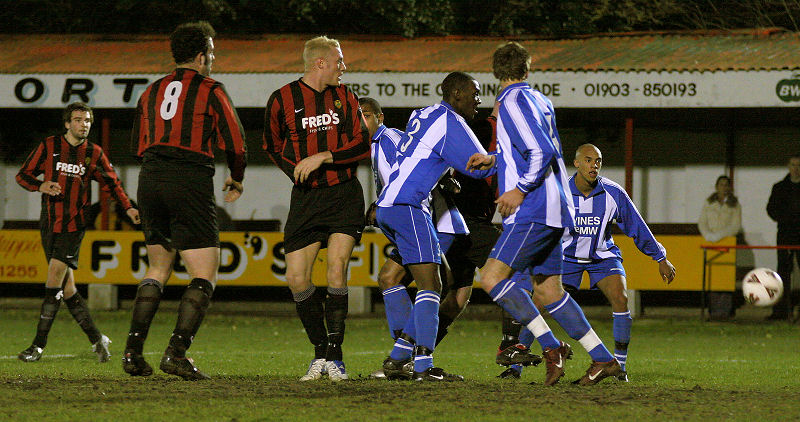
pixel 517 355
pixel 398 369
pixel 31 354
pixel 182 367
pixel 436 374
pixel 512 372
pixel 134 364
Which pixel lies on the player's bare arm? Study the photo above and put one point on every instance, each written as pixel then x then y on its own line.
pixel 667 270
pixel 50 188
pixel 508 202
pixel 307 165
pixel 480 161
pixel 234 189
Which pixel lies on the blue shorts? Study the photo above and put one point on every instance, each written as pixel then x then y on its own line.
pixel 523 280
pixel 598 270
pixel 533 247
pixel 445 241
pixel 411 230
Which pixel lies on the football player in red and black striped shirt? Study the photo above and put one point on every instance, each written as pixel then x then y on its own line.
pixel 180 118
pixel 68 162
pixel 315 133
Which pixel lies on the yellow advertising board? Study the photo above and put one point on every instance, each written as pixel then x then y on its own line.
pixel 246 259
pixel 257 259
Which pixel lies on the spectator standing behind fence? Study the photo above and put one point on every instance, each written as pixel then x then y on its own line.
pixel 722 214
pixel 784 208
pixel 721 217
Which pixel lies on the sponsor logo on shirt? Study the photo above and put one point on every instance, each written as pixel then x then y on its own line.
pixel 71 169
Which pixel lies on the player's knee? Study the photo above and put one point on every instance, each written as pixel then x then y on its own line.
pixel 619 300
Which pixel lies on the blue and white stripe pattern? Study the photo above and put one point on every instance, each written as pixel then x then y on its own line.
pixel 591 239
pixel 436 138
pixel 384 161
pixel 531 158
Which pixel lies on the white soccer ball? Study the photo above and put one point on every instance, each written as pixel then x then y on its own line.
pixel 762 287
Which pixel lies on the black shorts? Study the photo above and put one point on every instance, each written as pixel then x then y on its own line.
pixel 470 252
pixel 177 207
pixel 315 214
pixel 64 247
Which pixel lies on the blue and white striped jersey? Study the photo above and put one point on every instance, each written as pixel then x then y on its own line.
pixel 384 160
pixel 531 158
pixel 591 237
pixel 436 138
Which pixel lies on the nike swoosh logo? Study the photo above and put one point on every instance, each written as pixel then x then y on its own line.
pixel 438 377
pixel 592 377
pixel 560 363
pixel 298 110
pixel 56 155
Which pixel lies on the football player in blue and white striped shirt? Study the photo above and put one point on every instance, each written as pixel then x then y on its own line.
pixel 436 138
pixel 393 277
pixel 600 202
pixel 537 210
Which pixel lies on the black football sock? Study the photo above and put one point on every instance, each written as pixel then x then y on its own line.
pixel 335 315
pixel 77 307
pixel 148 297
pixel 310 310
pixel 47 315
pixel 511 330
pixel 192 309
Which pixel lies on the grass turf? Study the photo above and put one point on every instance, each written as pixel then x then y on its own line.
pixel 680 369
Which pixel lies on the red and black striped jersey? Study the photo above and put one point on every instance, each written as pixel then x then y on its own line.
pixel 183 115
pixel 72 167
pixel 300 122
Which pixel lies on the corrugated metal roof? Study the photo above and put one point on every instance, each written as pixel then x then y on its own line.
pixel 768 49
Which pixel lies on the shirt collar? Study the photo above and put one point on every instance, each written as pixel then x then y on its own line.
pixel 598 189
pixel 517 85
pixel 448 106
pixel 379 132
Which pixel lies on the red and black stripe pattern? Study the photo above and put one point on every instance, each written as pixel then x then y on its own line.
pixel 191 112
pixel 72 167
pixel 300 122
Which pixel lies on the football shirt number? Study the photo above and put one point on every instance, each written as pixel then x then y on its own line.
pixel 415 128
pixel 169 107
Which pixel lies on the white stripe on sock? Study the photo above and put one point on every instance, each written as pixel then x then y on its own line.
pixel 504 290
pixel 393 290
pixel 538 326
pixel 628 313
pixel 590 340
pixel 561 304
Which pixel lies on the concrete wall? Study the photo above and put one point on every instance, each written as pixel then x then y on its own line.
pixel 663 195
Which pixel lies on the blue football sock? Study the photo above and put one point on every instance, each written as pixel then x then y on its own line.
pixel 571 318
pixel 622 336
pixel 426 319
pixel 515 301
pixel 398 308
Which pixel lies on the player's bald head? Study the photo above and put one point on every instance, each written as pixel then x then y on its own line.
pixel 587 149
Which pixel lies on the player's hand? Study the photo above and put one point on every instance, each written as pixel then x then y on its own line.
pixel 133 214
pixel 480 161
pixel 50 188
pixel 307 165
pixel 667 271
pixel 371 218
pixel 233 188
pixel 508 202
